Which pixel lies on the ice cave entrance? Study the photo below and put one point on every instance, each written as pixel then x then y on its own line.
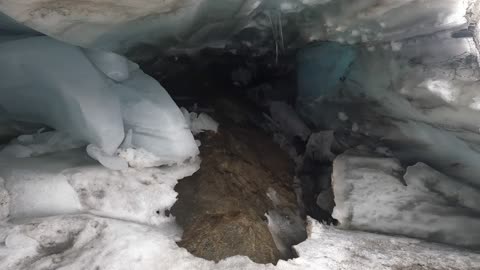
pixel 239 135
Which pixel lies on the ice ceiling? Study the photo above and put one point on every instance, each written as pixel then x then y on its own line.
pixel 417 58
pixel 412 64
pixel 122 25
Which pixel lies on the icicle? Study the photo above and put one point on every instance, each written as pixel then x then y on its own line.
pixel 280 27
pixel 274 33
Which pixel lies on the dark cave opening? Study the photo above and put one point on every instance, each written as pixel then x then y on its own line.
pixel 225 209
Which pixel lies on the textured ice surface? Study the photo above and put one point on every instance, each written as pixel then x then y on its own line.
pixel 420 100
pixel 371 195
pixel 112 162
pixel 422 177
pixel 111 64
pixel 431 85
pixel 119 26
pixel 126 225
pixel 63 90
pixel 199 122
pixel 96 99
pixel 69 182
pixel 157 124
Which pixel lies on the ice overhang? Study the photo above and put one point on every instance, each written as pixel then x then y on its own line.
pixel 120 26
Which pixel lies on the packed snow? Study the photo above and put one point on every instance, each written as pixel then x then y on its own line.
pixel 371 194
pixel 87 242
pixel 415 99
pixel 64 211
pixel 199 122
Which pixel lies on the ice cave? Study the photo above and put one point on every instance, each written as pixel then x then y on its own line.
pixel 239 134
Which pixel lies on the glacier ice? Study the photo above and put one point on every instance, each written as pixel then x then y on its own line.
pixel 157 124
pixel 109 161
pixel 96 99
pixel 111 64
pixel 77 99
pixel 199 122
pixel 120 27
pixel 420 101
pixel 320 68
pixel 371 195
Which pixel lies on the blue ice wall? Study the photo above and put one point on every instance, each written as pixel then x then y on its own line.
pixel 320 68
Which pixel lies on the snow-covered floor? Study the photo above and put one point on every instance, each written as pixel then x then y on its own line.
pixel 91 242
pixel 64 211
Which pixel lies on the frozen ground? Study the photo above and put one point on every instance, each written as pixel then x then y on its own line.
pixel 64 211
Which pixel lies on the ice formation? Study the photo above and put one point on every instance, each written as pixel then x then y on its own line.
pixel 77 99
pixel 199 122
pixel 95 100
pixel 157 124
pixel 371 195
pixel 118 27
pixel 414 99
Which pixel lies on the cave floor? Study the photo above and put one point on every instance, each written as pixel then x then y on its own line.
pixel 224 207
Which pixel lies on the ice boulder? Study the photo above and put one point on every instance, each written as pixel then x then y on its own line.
pixel 47 81
pixel 371 195
pixel 94 97
pixel 157 125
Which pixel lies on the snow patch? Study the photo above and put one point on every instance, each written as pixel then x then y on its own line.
pixel 370 194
